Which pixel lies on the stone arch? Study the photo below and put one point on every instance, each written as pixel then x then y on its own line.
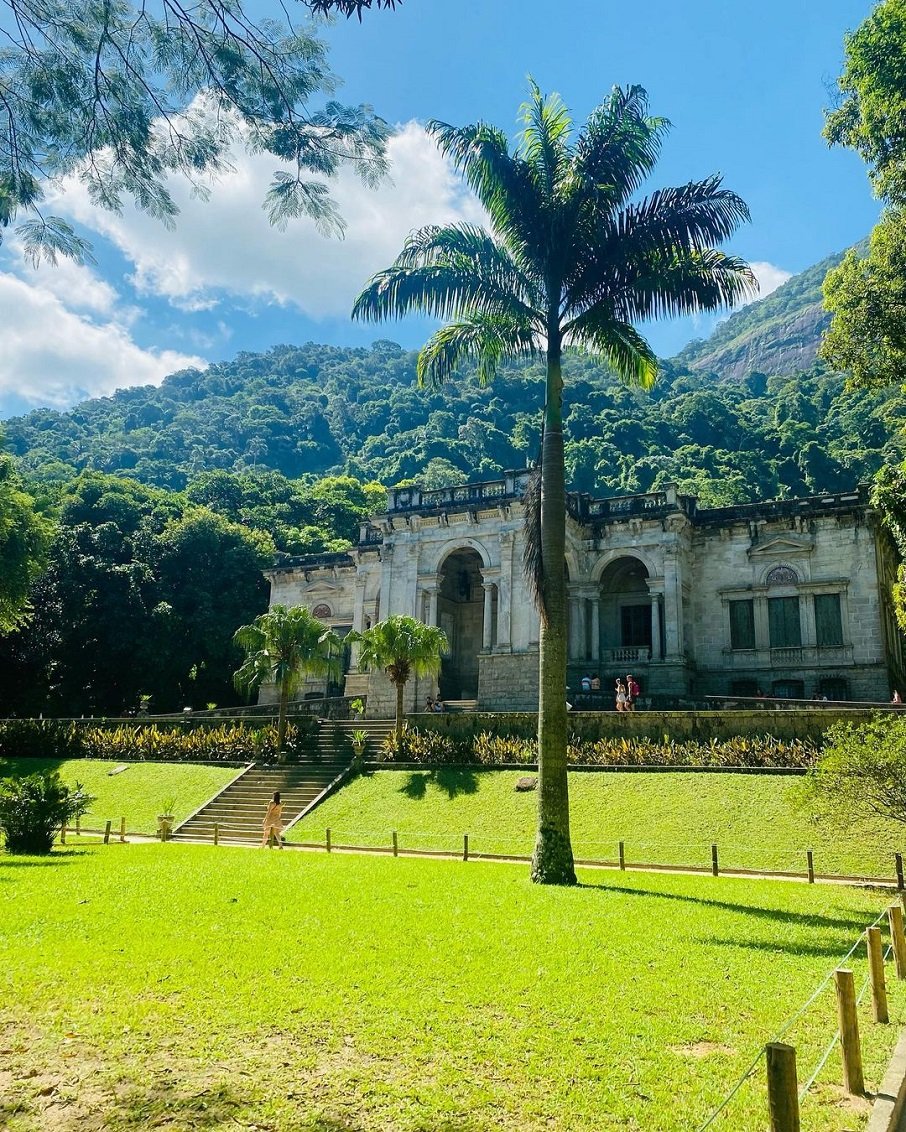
pixel 628 627
pixel 434 563
pixel 463 607
pixel 606 560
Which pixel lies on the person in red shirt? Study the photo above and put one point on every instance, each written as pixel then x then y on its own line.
pixel 633 691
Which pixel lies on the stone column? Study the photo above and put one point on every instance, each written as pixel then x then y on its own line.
pixel 383 611
pixel 575 607
pixel 655 589
pixel 505 591
pixel 358 623
pixel 673 607
pixel 487 625
pixel 596 627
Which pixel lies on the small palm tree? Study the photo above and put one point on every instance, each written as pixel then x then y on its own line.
pixel 572 260
pixel 401 647
pixel 283 646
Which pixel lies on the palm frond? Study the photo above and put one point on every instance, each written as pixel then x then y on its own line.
pixel 616 342
pixel 446 272
pixel 486 338
pixel 618 147
pixel 692 282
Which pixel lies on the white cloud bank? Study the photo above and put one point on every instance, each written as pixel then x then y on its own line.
pixel 52 355
pixel 225 247
pixel 769 277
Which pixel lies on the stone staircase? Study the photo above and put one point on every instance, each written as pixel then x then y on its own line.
pixel 239 810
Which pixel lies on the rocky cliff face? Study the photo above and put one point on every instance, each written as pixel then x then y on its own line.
pixel 777 335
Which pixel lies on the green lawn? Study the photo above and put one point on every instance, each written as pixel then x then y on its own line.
pixel 137 793
pixel 187 987
pixel 757 821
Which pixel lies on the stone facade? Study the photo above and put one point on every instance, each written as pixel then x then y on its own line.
pixel 788 597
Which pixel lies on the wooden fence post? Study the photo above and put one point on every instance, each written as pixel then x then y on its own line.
pixel 898 858
pixel 853 1078
pixel 811 866
pixel 898 939
pixel 783 1089
pixel 78 825
pixel 122 831
pixel 396 848
pixel 465 847
pixel 714 869
pixel 107 833
pixel 622 855
pixel 876 975
pixel 63 833
pixel 216 833
pixel 327 841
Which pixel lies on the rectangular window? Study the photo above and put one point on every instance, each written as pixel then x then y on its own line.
pixel 742 624
pixel 828 622
pixel 783 622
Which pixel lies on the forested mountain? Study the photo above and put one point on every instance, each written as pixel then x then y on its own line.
pixel 719 425
pixel 779 334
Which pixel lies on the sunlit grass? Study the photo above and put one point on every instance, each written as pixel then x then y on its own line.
pixel 190 987
pixel 757 821
pixel 138 793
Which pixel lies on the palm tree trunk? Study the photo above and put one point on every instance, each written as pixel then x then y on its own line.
pixel 399 715
pixel 552 862
pixel 281 719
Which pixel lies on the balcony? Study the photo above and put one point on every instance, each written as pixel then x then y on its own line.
pixel 628 654
pixel 803 656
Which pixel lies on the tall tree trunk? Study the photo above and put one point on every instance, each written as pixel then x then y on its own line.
pixel 399 715
pixel 552 862
pixel 281 719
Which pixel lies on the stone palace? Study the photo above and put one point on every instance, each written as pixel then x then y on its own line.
pixel 789 597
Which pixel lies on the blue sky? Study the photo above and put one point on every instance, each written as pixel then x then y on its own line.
pixel 745 86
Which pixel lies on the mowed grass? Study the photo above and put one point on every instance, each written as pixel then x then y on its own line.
pixel 757 821
pixel 138 793
pixel 188 987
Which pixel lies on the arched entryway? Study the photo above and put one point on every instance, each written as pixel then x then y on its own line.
pixel 625 620
pixel 461 607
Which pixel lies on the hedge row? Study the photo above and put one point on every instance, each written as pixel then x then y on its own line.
pixel 485 749
pixel 151 742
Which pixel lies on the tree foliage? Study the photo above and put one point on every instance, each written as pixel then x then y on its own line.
pixel 34 808
pixel 125 96
pixel 862 770
pixel 24 538
pixel 282 647
pixel 573 260
pixel 401 647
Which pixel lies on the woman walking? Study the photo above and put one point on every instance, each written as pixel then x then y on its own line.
pixel 273 821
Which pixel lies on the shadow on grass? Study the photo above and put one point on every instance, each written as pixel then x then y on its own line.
pixel 778 915
pixel 14 861
pixel 817 951
pixel 453 780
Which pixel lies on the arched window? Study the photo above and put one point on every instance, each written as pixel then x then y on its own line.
pixel 782 576
pixel 321 611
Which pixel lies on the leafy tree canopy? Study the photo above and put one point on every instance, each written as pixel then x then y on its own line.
pixel 125 95
pixel 24 538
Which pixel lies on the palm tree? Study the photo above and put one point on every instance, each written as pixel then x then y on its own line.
pixel 402 647
pixel 571 260
pixel 283 646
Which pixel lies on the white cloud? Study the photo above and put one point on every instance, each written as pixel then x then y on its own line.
pixel 52 355
pixel 769 277
pixel 225 245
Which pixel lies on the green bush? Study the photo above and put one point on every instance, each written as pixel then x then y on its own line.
pixel 862 770
pixel 147 742
pixel 32 809
pixel 486 749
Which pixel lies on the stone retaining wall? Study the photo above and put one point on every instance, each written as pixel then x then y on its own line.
pixel 698 725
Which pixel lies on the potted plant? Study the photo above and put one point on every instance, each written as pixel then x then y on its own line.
pixel 357 707
pixel 165 820
pixel 359 741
